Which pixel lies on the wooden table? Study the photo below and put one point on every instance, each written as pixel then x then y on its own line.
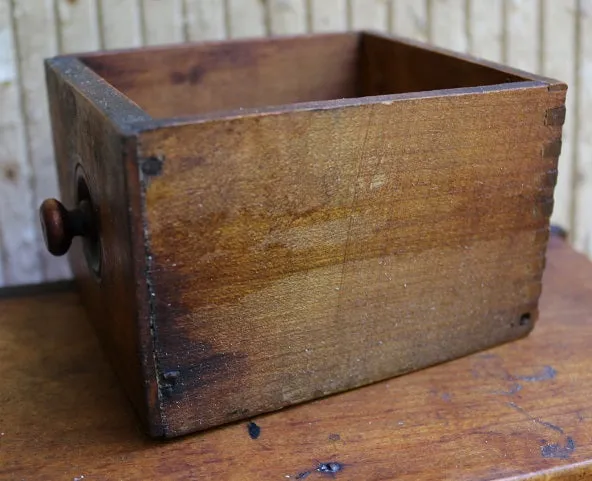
pixel 520 411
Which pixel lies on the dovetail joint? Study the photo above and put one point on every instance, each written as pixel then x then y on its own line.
pixel 551 178
pixel 552 149
pixel 555 116
pixel 546 207
pixel 558 87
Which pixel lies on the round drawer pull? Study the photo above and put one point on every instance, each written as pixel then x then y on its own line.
pixel 60 225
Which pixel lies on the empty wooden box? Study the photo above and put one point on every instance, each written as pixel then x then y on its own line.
pixel 265 222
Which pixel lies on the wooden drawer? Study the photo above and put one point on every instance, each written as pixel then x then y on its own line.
pixel 265 222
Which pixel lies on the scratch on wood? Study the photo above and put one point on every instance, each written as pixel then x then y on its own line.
pixel 550 450
pixel 536 420
pixel 353 205
pixel 547 373
pixel 513 390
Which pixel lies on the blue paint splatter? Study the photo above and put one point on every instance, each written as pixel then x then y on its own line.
pixel 254 430
pixel 558 451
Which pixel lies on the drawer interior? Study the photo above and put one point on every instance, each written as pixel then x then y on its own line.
pixel 192 79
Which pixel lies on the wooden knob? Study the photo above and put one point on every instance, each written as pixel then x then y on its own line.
pixel 60 225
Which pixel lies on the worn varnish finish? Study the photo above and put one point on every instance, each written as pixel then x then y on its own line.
pixel 520 411
pixel 275 254
pixel 197 79
pixel 91 142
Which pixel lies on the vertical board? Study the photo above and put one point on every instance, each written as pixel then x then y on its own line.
pixel 120 23
pixel 19 248
pixel 328 15
pixel 559 57
pixel 369 14
pixel 205 20
pixel 162 22
pixel 287 17
pixel 486 29
pixel 522 44
pixel 448 24
pixel 409 18
pixel 78 26
pixel 36 39
pixel 246 18
pixel 583 185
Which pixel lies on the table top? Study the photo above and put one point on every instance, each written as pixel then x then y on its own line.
pixel 519 411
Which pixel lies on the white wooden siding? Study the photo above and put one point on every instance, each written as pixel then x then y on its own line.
pixel 559 61
pixel 287 17
pixel 120 23
pixel 205 20
pixel 409 18
pixel 162 22
pixel 553 37
pixel 485 31
pixel 369 15
pixel 247 18
pixel 583 164
pixel 20 260
pixel 328 15
pixel 448 24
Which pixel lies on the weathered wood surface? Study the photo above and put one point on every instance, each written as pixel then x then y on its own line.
pixel 520 411
pixel 399 231
pixel 194 79
pixel 292 294
pixel 88 117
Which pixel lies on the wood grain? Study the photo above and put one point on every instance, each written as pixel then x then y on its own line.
pixel 413 68
pixel 89 119
pixel 508 413
pixel 320 244
pixel 277 254
pixel 197 79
